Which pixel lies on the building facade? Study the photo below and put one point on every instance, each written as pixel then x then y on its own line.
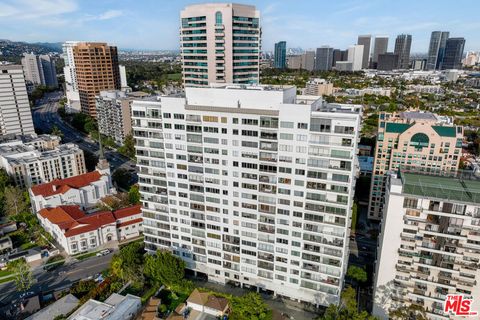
pixel 318 87
pixel 380 47
pixel 411 139
pixel 71 85
pixel 39 70
pixel 15 114
pixel 403 43
pixel 365 41
pixel 251 185
pixel 280 55
pixel 387 61
pixel 40 159
pixel 96 69
pixel 84 190
pixel 355 56
pixel 77 231
pixel 453 53
pixel 436 49
pixel 429 243
pixel 113 114
pixel 324 58
pixel 220 42
pixel 308 60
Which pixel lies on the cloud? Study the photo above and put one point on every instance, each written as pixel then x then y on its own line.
pixel 34 9
pixel 110 14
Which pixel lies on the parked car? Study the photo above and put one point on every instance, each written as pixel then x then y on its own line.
pixel 27 294
pixel 103 252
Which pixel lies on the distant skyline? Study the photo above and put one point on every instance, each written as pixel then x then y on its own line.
pixel 154 24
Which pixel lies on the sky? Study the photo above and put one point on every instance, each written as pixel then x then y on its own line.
pixel 153 24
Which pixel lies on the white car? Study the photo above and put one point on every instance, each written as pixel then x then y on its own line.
pixel 103 252
pixel 27 294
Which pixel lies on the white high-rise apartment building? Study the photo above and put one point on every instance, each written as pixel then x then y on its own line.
pixel 429 243
pixel 220 43
pixel 355 56
pixel 251 185
pixel 71 84
pixel 15 114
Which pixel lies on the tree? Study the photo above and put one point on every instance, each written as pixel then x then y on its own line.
pixel 5 181
pixel 250 306
pixel 23 275
pixel 128 148
pixel 346 309
pixel 57 132
pixel 165 268
pixel 15 202
pixel 412 312
pixel 121 177
pixel 127 264
pixel 358 274
pixel 134 195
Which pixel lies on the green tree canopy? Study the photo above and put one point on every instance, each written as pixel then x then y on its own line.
pixel 128 148
pixel 127 264
pixel 411 312
pixel 358 274
pixel 347 309
pixel 134 195
pixel 23 275
pixel 16 201
pixel 165 268
pixel 250 307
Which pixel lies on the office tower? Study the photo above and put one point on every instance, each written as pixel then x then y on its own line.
pixel 15 114
pixel 220 42
pixel 31 160
pixel 428 246
pixel 39 70
pixel 280 58
pixel 387 61
pixel 412 139
pixel 294 62
pixel 113 114
pixel 365 41
pixel 355 56
pixel 436 49
pixel 339 55
pixel 96 69
pixel 403 44
pixel 308 60
pixel 381 47
pixel 250 185
pixel 453 53
pixel 318 87
pixel 344 66
pixel 323 59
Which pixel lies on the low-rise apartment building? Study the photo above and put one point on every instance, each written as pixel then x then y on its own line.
pixel 251 185
pixel 39 159
pixel 77 231
pixel 318 87
pixel 429 243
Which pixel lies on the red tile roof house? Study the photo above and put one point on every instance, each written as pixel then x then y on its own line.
pixel 84 190
pixel 77 231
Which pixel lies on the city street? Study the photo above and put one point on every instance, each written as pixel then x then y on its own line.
pixel 45 116
pixel 62 277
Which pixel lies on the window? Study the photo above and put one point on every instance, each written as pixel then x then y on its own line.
pixel 218 18
pixel 286 124
pixel 302 125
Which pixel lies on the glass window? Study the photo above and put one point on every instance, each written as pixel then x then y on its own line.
pixel 218 18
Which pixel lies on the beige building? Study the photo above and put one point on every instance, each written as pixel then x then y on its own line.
pixel 318 87
pixel 15 114
pixel 294 62
pixel 33 160
pixel 220 42
pixel 412 139
pixel 96 69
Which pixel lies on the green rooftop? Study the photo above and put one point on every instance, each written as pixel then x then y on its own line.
pixel 445 131
pixel 397 127
pixel 441 187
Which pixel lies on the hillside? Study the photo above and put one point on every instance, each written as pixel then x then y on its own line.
pixel 12 50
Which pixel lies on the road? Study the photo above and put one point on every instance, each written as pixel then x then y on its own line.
pixel 62 277
pixel 45 116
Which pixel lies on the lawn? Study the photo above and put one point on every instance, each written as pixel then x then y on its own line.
pixel 5 272
pixel 172 300
pixel 83 256
pixel 6 279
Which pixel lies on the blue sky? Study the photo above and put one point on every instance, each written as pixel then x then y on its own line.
pixel 153 24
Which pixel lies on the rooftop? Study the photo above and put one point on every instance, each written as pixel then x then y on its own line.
pixel 462 186
pixel 418 115
pixel 58 186
pixel 62 306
